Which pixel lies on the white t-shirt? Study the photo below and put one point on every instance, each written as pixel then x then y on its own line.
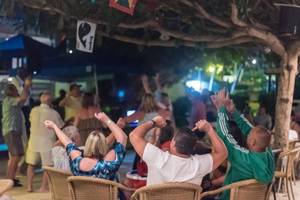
pixel 164 167
pixel 60 158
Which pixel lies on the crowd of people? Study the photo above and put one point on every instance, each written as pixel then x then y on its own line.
pixel 70 136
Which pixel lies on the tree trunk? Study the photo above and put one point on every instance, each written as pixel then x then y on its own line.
pixel 285 99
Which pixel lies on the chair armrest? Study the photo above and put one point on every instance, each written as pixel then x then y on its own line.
pixel 123 187
pixel 228 187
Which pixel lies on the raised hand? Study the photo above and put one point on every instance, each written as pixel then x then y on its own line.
pixel 102 117
pixel 50 124
pixel 230 107
pixel 121 122
pixel 202 125
pixel 144 78
pixel 28 82
pixel 222 94
pixel 220 98
pixel 160 122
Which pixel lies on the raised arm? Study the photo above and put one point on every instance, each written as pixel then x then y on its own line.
pixel 64 101
pixel 110 138
pixel 62 138
pixel 59 133
pixel 25 92
pixel 157 82
pixel 117 132
pixel 136 137
pixel 219 153
pixel 244 125
pixel 145 83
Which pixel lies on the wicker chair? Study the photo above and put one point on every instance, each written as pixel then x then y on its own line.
pixel 89 188
pixel 5 184
pixel 243 190
pixel 168 191
pixel 58 183
pixel 287 174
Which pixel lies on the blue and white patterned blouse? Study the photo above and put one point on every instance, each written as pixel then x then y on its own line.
pixel 103 169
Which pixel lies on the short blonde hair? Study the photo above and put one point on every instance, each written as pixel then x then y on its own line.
pixel 95 146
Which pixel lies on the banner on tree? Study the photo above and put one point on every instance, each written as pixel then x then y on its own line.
pixel 126 6
pixel 85 36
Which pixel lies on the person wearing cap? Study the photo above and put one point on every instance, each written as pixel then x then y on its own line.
pixel 72 102
pixel 41 141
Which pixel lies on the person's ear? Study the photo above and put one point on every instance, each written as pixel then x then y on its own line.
pixel 252 142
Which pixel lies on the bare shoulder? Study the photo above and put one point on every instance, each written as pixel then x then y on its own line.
pixel 110 156
pixel 87 164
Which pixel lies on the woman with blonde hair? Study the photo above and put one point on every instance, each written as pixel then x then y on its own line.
pixel 97 159
pixel 148 110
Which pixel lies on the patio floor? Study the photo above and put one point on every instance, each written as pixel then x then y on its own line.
pixel 21 193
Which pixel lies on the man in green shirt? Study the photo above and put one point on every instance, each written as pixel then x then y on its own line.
pixel 254 162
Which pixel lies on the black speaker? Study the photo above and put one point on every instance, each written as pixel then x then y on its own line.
pixel 289 20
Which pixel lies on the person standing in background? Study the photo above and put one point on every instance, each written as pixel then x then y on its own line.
pixel 198 109
pixel 85 119
pixel 72 102
pixel 263 118
pixel 18 81
pixel 13 124
pixel 60 110
pixel 41 141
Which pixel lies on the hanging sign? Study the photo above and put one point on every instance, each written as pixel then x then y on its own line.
pixel 126 6
pixel 85 36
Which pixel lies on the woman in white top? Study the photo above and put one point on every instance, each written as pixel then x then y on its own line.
pixel 59 154
pixel 147 111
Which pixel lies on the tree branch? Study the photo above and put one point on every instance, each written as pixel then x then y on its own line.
pixel 206 15
pixel 235 18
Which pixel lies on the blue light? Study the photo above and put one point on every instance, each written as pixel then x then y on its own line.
pixel 121 93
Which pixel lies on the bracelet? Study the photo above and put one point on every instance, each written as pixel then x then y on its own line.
pixel 109 121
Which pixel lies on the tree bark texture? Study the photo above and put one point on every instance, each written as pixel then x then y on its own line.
pixel 284 101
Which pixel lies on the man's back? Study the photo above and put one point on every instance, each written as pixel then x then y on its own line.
pixel 41 139
pixel 164 167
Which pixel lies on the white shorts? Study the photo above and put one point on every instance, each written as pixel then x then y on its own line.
pixel 35 158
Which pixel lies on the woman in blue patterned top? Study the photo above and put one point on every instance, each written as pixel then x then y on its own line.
pixel 96 160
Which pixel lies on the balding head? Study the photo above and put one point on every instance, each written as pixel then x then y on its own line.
pixel 46 98
pixel 259 139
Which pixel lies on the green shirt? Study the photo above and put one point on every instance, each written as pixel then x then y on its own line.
pixel 244 164
pixel 12 116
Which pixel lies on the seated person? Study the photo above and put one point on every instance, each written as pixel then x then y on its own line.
pixel 59 154
pixel 164 136
pixel 96 160
pixel 178 164
pixel 217 178
pixel 254 162
pixel 137 178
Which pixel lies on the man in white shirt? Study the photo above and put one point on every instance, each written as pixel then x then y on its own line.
pixel 179 164
pixel 41 139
